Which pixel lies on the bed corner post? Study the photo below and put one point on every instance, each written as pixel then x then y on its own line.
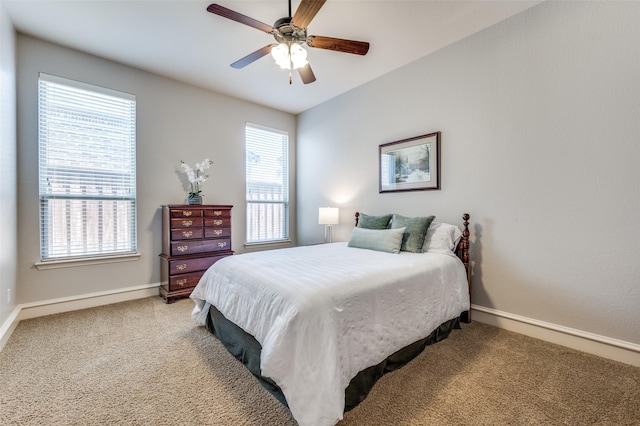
pixel 357 218
pixel 464 255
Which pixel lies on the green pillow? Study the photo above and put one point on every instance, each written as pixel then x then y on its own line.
pixel 415 231
pixel 374 222
pixel 387 240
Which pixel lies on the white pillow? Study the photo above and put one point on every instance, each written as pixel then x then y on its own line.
pixel 442 236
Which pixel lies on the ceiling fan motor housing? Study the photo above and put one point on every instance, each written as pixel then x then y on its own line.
pixel 285 32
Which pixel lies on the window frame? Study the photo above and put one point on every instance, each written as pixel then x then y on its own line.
pixel 285 224
pixel 129 251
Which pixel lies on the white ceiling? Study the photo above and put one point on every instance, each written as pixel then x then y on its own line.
pixel 181 40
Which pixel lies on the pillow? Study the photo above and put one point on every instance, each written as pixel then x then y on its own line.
pixel 442 236
pixel 415 231
pixel 387 240
pixel 374 222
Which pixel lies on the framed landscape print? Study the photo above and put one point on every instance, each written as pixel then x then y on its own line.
pixel 411 164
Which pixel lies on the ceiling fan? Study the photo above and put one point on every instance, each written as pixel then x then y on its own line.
pixel 291 34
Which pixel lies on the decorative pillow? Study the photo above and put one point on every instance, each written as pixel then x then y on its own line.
pixel 387 240
pixel 415 231
pixel 374 222
pixel 442 236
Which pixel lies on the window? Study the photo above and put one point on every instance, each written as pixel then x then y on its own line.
pixel 267 165
pixel 87 165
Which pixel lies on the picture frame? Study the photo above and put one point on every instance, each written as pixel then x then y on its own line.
pixel 411 164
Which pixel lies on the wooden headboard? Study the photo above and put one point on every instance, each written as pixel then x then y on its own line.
pixel 462 251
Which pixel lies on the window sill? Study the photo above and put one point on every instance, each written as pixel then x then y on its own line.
pixel 268 243
pixel 70 263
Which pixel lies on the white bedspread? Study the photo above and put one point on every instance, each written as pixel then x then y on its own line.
pixel 323 313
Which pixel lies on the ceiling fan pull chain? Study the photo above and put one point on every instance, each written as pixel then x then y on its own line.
pixel 290 78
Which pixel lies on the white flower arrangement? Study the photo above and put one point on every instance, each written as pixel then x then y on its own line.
pixel 196 175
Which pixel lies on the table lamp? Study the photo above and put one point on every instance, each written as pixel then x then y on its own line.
pixel 328 216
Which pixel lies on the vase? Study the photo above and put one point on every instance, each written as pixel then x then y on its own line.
pixel 195 199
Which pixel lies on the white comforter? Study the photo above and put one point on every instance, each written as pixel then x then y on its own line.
pixel 323 313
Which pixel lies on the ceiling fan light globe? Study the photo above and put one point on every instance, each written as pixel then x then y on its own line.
pixel 298 56
pixel 299 64
pixel 280 52
pixel 285 65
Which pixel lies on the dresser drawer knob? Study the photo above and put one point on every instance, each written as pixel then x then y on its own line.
pixel 217 222
pixel 187 213
pixel 217 232
pixel 182 249
pixel 181 267
pixel 217 213
pixel 182 282
pixel 222 244
pixel 187 222
pixel 187 233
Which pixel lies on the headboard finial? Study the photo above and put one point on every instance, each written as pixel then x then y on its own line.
pixel 463 254
pixel 464 241
pixel 357 218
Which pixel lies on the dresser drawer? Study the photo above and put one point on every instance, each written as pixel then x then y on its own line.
pixel 186 213
pixel 179 248
pixel 187 234
pixel 217 213
pixel 182 266
pixel 186 223
pixel 217 221
pixel 217 232
pixel 184 281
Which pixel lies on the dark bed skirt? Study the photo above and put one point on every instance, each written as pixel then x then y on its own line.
pixel 247 350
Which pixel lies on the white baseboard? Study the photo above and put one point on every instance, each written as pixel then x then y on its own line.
pixel 73 303
pixel 8 326
pixel 606 347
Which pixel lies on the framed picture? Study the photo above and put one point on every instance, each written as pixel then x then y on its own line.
pixel 411 164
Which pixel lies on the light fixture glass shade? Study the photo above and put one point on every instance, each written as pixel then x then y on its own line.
pixel 328 216
pixel 298 56
pixel 280 54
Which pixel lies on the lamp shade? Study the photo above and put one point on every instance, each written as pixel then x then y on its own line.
pixel 328 216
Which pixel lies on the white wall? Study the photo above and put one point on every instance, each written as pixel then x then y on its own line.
pixel 540 122
pixel 175 121
pixel 8 169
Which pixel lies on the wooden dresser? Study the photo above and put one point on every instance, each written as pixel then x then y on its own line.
pixel 194 237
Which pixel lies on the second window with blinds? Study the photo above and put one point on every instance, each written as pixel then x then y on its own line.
pixel 267 188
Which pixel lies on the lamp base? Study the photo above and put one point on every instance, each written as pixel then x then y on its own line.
pixel 327 233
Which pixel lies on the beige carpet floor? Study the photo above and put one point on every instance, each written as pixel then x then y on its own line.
pixel 145 363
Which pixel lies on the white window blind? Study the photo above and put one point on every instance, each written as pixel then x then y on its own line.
pixel 267 165
pixel 87 166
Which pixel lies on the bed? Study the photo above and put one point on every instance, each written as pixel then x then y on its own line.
pixel 319 325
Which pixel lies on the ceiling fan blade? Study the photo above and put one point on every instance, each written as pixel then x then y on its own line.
pixel 338 44
pixel 306 12
pixel 238 17
pixel 306 74
pixel 252 57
